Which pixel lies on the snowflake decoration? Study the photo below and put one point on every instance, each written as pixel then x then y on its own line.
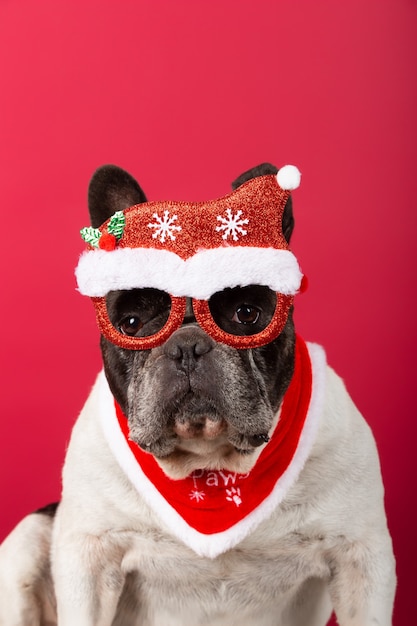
pixel 232 225
pixel 164 226
pixel 233 495
pixel 197 495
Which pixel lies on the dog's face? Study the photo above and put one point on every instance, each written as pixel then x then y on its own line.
pixel 192 402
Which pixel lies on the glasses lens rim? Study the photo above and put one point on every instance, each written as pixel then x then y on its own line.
pixel 204 319
pixel 110 332
pixel 266 335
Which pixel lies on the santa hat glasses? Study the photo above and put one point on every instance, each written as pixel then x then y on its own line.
pixel 198 251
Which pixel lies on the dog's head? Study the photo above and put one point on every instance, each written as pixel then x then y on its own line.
pixel 193 401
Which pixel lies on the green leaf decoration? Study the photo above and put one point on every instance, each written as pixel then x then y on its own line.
pixel 117 224
pixel 91 235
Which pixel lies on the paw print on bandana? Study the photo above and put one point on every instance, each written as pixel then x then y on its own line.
pixel 233 495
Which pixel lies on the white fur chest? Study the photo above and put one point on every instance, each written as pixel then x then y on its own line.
pixel 277 575
pixel 255 583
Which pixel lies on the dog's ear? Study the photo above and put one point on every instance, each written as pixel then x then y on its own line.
pixel 263 170
pixel 111 189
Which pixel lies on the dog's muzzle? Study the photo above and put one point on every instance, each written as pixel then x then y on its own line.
pixel 195 388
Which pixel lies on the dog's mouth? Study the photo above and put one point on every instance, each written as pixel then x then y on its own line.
pixel 204 427
pixel 211 428
pixel 196 416
pixel 196 428
pixel 205 442
pixel 190 440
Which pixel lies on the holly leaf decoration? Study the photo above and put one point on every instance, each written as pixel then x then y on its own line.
pixel 115 228
pixel 90 235
pixel 117 224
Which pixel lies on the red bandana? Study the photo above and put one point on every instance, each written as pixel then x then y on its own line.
pixel 214 501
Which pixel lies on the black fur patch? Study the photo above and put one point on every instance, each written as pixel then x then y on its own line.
pixel 49 509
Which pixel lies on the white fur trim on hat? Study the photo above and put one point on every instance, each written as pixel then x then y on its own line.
pixel 199 276
pixel 289 177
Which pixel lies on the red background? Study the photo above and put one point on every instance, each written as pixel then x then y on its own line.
pixel 186 95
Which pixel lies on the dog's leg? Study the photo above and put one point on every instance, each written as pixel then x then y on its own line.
pixel 363 581
pixel 26 591
pixel 88 579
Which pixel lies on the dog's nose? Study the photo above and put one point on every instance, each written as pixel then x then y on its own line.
pixel 187 345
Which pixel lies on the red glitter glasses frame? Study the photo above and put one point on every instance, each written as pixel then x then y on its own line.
pixel 205 320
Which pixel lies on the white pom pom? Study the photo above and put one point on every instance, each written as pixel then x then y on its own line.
pixel 289 177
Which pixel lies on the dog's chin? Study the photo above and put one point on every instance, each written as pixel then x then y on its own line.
pixel 210 445
pixel 211 453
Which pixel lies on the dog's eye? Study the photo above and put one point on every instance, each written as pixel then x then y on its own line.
pixel 246 314
pixel 130 325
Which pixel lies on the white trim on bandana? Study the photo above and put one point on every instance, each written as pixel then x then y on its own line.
pixel 100 271
pixel 214 544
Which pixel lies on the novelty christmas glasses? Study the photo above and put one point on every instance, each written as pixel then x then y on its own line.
pixel 229 256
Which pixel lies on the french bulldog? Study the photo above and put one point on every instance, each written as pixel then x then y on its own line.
pixel 197 490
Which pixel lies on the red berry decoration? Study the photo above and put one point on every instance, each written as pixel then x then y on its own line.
pixel 108 239
pixel 107 242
